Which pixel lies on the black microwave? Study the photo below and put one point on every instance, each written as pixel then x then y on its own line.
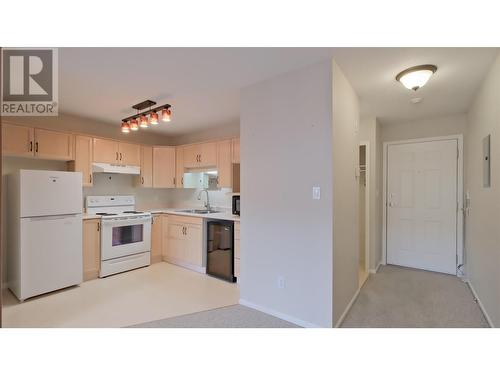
pixel 236 205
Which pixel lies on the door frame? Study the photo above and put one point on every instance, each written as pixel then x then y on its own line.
pixel 367 203
pixel 460 269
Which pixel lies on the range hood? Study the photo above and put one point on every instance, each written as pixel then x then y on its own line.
pixel 115 168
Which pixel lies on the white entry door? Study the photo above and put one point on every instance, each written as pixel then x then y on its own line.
pixel 422 205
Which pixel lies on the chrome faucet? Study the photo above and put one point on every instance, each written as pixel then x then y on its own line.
pixel 207 205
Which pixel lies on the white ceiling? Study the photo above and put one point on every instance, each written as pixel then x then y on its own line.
pixel 450 90
pixel 203 84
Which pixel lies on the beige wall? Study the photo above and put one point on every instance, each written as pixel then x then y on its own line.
pixel 432 127
pixel 482 224
pixel 225 131
pixel 286 143
pixel 345 193
pixel 370 132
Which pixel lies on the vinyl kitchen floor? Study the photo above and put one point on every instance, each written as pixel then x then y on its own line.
pixel 147 294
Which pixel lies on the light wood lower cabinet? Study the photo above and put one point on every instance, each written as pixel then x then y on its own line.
pixel 91 248
pixel 156 238
pixel 237 248
pixel 184 236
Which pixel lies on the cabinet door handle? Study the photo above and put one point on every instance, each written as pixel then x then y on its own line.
pixel 90 177
pixel 31 146
pixel 142 179
pixel 98 226
pixel 117 156
pixel 182 181
pixel 36 147
pixel 174 180
pixel 120 156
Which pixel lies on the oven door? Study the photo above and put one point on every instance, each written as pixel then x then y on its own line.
pixel 125 236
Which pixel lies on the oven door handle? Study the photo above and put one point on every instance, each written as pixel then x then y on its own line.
pixel 126 221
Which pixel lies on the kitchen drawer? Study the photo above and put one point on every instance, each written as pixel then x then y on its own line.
pixel 237 267
pixel 185 219
pixel 237 248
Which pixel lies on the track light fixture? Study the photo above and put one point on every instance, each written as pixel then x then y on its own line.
pixel 140 119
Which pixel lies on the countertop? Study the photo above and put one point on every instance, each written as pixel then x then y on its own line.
pixel 225 215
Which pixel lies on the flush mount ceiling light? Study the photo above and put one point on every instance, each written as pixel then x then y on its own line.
pixel 140 119
pixel 416 77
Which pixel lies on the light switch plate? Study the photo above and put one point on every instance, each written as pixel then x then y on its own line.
pixel 316 192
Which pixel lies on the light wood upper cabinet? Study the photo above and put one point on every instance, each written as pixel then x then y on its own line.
pixel 106 151
pixel 156 238
pixel 53 145
pixel 146 176
pixel 130 154
pixel 115 152
pixel 200 155
pixel 91 248
pixel 39 143
pixel 191 155
pixel 179 167
pixel 208 156
pixel 18 140
pixel 236 150
pixel 164 167
pixel 224 164
pixel 83 158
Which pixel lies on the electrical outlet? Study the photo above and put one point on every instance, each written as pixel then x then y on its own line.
pixel 281 282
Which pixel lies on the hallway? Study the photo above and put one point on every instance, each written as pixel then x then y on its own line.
pixel 397 297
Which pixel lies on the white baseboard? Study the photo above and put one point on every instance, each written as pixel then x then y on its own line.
pixel 481 306
pixel 348 307
pixel 278 314
pixel 189 266
pixel 375 270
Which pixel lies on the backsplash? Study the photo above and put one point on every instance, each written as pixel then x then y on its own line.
pixel 124 184
pixel 180 198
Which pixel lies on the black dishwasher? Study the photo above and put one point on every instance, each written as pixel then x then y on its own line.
pixel 220 249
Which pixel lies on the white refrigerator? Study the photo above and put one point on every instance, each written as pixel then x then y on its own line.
pixel 44 231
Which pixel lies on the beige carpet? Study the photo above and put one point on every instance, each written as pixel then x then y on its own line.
pixel 236 316
pixel 404 297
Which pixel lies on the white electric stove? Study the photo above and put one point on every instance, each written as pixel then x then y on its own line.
pixel 125 233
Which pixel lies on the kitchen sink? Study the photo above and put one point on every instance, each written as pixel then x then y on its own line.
pixel 200 211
